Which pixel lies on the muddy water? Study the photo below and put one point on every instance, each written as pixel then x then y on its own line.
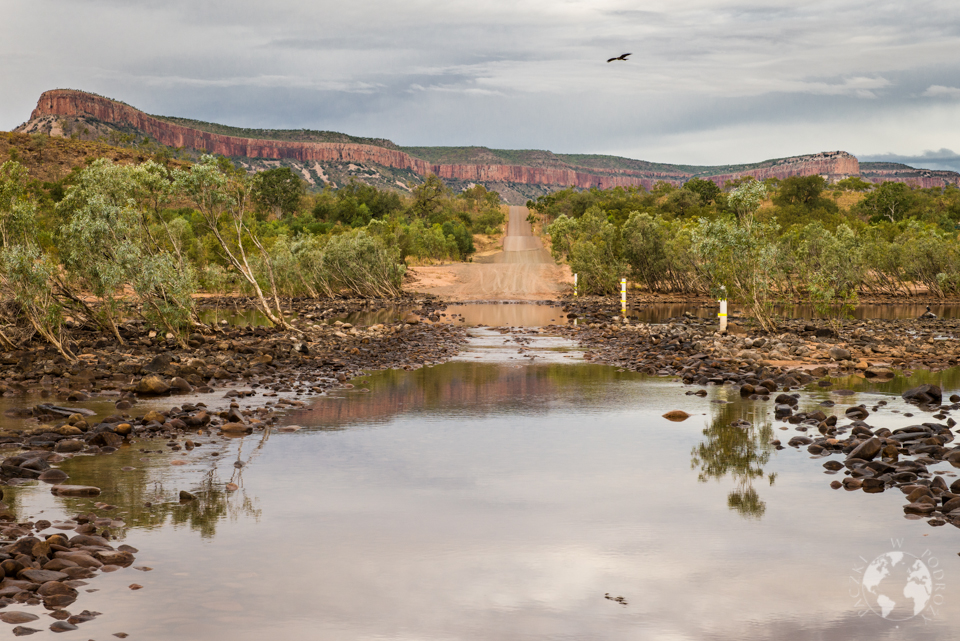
pixel 493 498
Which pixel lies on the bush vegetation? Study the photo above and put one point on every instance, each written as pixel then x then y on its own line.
pixel 761 241
pixel 114 241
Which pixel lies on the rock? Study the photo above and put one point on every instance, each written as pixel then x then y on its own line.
pixel 75 490
pixel 152 385
pixel 924 395
pixel 53 476
pixel 89 539
pixel 836 485
pixel 42 576
pixel 782 411
pixel 839 354
pixel 68 446
pixel 152 416
pixel 59 600
pixel 180 385
pixel 69 430
pixel 123 559
pixel 240 427
pixel 918 508
pixel 51 588
pixel 951 505
pixel 833 466
pixel 231 487
pixel 21 631
pixel 857 413
pixel 673 415
pixel 62 626
pixel 187 496
pixel 878 372
pixel 123 429
pixel 17 617
pixel 867 450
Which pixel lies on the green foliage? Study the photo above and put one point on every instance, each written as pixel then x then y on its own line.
pixel 707 190
pixel 854 183
pixel 591 246
pixel 277 192
pixel 17 210
pixel 892 201
pixel 659 253
pixel 745 200
pixel 742 259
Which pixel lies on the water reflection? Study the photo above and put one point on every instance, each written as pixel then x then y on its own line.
pixel 739 450
pixel 464 389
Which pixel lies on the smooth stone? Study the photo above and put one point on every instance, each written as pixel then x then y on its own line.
pixel 21 631
pixel 42 576
pixel 676 416
pixel 17 617
pixel 75 490
pixel 62 626
pixel 53 476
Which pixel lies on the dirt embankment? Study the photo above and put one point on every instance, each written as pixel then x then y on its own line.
pixel 524 270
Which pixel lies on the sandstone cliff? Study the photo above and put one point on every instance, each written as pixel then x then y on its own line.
pixel 894 172
pixel 558 173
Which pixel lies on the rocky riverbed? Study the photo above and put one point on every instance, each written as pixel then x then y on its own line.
pixel 273 368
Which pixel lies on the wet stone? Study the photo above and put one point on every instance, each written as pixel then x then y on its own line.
pixel 17 617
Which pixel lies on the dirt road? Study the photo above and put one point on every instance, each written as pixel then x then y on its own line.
pixel 524 270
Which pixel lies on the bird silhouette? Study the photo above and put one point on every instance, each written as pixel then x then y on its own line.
pixel 621 57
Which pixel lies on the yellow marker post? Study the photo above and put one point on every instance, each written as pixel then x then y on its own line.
pixel 723 310
pixel 623 297
pixel 575 285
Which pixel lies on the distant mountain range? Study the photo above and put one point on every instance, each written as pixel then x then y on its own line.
pixel 330 158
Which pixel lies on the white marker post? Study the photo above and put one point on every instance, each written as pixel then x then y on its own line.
pixel 723 310
pixel 575 285
pixel 623 297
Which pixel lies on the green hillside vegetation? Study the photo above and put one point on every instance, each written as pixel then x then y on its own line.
pixel 286 135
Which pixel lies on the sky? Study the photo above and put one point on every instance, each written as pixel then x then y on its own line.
pixel 708 81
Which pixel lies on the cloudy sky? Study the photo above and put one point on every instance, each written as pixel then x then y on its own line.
pixel 709 81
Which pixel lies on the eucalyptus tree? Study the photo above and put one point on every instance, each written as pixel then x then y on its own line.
pixel 222 201
pixel 109 250
pixel 17 210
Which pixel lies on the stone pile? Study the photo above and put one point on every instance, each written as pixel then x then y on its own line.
pixel 47 569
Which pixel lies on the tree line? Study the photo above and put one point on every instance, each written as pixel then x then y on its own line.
pixel 797 238
pixel 114 242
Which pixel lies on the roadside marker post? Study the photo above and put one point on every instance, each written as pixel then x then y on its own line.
pixel 623 297
pixel 723 310
pixel 575 285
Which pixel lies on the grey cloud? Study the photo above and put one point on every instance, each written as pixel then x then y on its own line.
pixel 944 159
pixel 737 76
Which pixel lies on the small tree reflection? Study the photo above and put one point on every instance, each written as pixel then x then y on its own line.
pixel 740 451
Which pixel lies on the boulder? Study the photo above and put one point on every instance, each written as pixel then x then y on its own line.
pixel 924 395
pixel 152 385
pixel 867 450
pixel 839 353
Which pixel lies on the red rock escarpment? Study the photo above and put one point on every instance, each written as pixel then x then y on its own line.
pixel 71 103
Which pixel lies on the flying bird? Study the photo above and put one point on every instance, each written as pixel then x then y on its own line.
pixel 622 57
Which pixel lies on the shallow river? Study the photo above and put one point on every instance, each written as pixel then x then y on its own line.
pixel 495 498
